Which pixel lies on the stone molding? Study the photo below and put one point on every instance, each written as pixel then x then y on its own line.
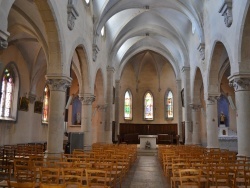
pixel 201 49
pixel 240 83
pixel 184 69
pixel 3 44
pixel 110 69
pixel 95 50
pixel 87 98
pixel 58 83
pixel 72 14
pixel 3 39
pixel 32 98
pixel 226 11
pixel 102 107
pixel 195 107
pixel 212 99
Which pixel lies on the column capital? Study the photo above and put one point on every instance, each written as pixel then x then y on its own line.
pixel 102 107
pixel 58 82
pixel 240 82
pixel 110 69
pixel 184 69
pixel 212 99
pixel 195 107
pixel 86 98
pixel 201 49
pixel 3 39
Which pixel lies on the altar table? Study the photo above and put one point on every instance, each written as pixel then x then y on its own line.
pixel 150 138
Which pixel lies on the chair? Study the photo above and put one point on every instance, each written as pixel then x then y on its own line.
pixel 5 173
pixel 189 178
pixel 52 186
pixel 97 178
pixel 73 176
pixel 49 175
pixel 220 179
pixel 12 184
pixel 25 174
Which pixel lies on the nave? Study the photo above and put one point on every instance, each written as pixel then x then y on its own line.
pixel 146 173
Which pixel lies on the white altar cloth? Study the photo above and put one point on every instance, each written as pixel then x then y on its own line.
pixel 149 138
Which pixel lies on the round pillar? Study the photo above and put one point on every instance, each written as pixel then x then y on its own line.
pixel 241 86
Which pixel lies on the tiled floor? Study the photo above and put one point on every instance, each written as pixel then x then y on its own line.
pixel 146 173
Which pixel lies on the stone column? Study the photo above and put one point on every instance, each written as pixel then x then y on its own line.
pixel 196 140
pixel 102 108
pixel 187 109
pixel 58 86
pixel 212 122
pixel 241 84
pixel 179 108
pixel 117 107
pixel 87 99
pixel 109 112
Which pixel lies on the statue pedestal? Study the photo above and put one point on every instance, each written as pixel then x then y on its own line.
pixel 223 130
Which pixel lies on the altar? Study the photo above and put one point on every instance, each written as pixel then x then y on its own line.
pixel 145 139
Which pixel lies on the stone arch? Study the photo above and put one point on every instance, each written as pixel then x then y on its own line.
pixel 197 85
pixel 244 65
pixel 170 58
pixel 98 109
pixel 217 59
pixel 55 45
pixel 79 49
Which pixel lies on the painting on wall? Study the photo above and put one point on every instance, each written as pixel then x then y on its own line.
pixel 24 104
pixel 38 107
pixel 76 111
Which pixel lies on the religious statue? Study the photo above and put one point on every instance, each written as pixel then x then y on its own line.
pixel 78 118
pixel 147 145
pixel 222 118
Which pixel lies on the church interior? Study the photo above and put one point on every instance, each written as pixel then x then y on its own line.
pixel 141 78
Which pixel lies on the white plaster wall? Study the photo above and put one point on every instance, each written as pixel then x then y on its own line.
pixel 28 127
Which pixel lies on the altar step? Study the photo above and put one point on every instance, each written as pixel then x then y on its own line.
pixel 147 152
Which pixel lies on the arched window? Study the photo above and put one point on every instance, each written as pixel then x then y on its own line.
pixel 169 105
pixel 9 93
pixel 128 105
pixel 148 106
pixel 45 104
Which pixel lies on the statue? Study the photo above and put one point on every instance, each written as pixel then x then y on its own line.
pixel 222 118
pixel 147 145
pixel 78 118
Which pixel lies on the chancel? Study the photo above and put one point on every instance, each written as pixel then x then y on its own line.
pixel 125 75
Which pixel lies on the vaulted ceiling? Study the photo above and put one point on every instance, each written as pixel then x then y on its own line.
pixel 163 26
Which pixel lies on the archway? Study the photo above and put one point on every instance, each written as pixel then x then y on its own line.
pixel 98 114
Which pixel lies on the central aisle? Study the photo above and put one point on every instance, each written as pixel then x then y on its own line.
pixel 146 173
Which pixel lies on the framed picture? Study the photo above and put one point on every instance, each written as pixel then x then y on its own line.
pixel 24 104
pixel 182 97
pixel 38 107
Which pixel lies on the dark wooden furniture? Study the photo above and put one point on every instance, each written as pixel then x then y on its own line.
pixel 129 132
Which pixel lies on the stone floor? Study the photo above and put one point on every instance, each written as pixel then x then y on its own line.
pixel 146 173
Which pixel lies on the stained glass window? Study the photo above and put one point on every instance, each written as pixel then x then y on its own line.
pixel 128 105
pixel 148 106
pixel 169 105
pixel 7 93
pixel 45 105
